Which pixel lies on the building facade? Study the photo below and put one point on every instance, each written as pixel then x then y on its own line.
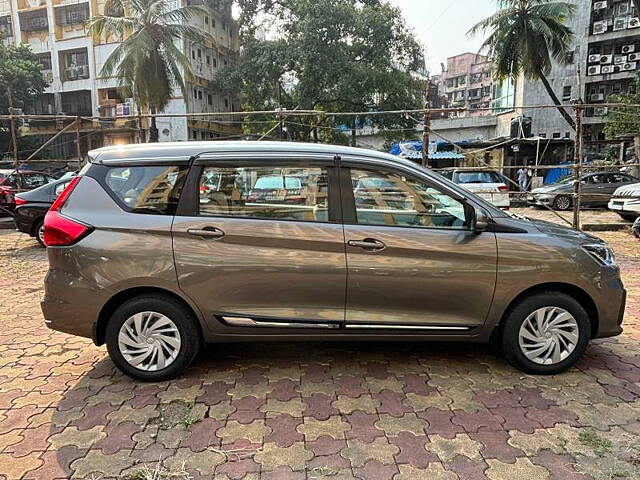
pixel 72 61
pixel 466 82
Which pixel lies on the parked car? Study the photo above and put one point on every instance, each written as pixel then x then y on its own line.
pixel 12 183
pixel 485 183
pixel 596 191
pixel 147 267
pixel 31 207
pixel 626 201
pixel 278 188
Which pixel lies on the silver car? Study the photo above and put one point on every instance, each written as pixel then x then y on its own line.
pixel 157 249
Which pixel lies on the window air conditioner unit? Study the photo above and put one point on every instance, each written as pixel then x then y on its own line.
pixel 634 57
pixel 600 27
pixel 628 49
pixel 599 5
pixel 607 69
pixel 594 70
pixel 71 73
pixel 624 9
pixel 634 22
pixel 620 59
pixel 605 59
pixel 600 111
pixel 597 97
pixel 595 58
pixel 620 23
pixel 83 70
pixel 630 66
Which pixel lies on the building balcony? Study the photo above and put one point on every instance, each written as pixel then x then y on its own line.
pixel 79 72
pixel 31 4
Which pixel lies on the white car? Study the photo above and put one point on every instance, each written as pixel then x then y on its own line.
pixel 484 182
pixel 626 201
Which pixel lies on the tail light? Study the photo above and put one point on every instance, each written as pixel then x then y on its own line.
pixel 20 201
pixel 503 188
pixel 59 230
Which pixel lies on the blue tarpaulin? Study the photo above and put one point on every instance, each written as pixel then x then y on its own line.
pixel 555 174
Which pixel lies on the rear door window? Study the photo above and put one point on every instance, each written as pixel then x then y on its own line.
pixel 265 192
pixel 151 190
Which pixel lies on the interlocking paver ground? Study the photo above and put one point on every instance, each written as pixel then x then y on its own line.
pixel 310 411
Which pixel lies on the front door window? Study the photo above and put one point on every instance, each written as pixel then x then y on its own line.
pixel 394 200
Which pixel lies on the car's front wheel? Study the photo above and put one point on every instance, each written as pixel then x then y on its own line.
pixel 546 333
pixel 562 202
pixel 152 338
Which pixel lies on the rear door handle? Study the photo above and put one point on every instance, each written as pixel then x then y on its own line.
pixel 206 232
pixel 369 244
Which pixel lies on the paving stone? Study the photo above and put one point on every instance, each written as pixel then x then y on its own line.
pixel 447 449
pixel 522 468
pixel 363 426
pixel 272 456
pixel 283 430
pixel 253 432
pixel 56 464
pixel 14 468
pixel 359 453
pixel 202 435
pixel 440 422
pixel 409 422
pixel 319 406
pixel 435 471
pixel 312 429
pixel 468 469
pixel 78 438
pixel 97 463
pixel 412 450
pixel 374 470
pixel 364 403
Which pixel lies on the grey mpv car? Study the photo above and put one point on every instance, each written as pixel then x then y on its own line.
pixel 157 249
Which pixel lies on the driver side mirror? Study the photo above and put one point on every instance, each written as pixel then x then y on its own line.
pixel 481 221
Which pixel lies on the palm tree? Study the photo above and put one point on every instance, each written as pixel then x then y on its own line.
pixel 526 37
pixel 148 62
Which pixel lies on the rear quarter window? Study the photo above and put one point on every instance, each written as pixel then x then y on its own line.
pixel 478 177
pixel 153 190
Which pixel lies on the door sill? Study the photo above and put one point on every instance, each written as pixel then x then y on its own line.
pixel 270 323
pixel 440 328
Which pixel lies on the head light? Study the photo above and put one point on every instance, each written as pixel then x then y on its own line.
pixel 602 253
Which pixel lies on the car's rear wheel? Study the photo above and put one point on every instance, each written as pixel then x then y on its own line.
pixel 562 202
pixel 152 338
pixel 546 333
pixel 38 232
pixel 628 216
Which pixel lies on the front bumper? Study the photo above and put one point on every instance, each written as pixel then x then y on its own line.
pixel 540 199
pixel 625 205
pixel 611 304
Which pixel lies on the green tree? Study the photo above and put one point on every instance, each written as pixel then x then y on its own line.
pixel 526 37
pixel 624 120
pixel 149 62
pixel 329 55
pixel 20 81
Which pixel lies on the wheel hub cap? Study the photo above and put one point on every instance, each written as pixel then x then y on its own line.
pixel 548 336
pixel 149 341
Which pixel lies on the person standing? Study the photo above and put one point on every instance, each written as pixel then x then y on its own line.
pixel 523 179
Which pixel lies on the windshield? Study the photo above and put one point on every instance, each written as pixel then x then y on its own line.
pixel 478 177
pixel 276 181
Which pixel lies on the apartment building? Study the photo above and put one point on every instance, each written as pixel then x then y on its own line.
pixel 72 61
pixel 613 61
pixel 467 82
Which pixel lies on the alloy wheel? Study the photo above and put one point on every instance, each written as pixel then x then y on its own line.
pixel 563 203
pixel 548 336
pixel 149 341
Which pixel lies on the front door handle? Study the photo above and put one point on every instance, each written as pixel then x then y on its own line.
pixel 368 244
pixel 206 232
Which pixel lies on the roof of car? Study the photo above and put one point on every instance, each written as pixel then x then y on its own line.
pixel 149 152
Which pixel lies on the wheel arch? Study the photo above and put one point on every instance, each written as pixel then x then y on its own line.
pixel 568 289
pixel 100 325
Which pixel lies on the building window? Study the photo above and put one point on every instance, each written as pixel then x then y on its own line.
pixel 199 54
pixel 215 63
pixel 195 134
pixel 202 135
pixel 210 99
pixel 542 135
pixel 208 59
pixel 567 135
pixel 193 54
pixel 566 92
pixel 195 92
pixel 226 103
pixel 206 20
pixel 571 56
pixel 557 135
pixel 199 94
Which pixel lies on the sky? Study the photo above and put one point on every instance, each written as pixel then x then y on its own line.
pixel 442 26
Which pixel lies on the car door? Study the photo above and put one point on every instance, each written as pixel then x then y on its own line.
pixel 272 258
pixel 592 189
pixel 413 260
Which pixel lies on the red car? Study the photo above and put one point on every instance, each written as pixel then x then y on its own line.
pixel 11 183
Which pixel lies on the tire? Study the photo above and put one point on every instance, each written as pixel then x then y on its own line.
pixel 630 217
pixel 562 202
pixel 516 317
pixel 38 232
pixel 188 336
